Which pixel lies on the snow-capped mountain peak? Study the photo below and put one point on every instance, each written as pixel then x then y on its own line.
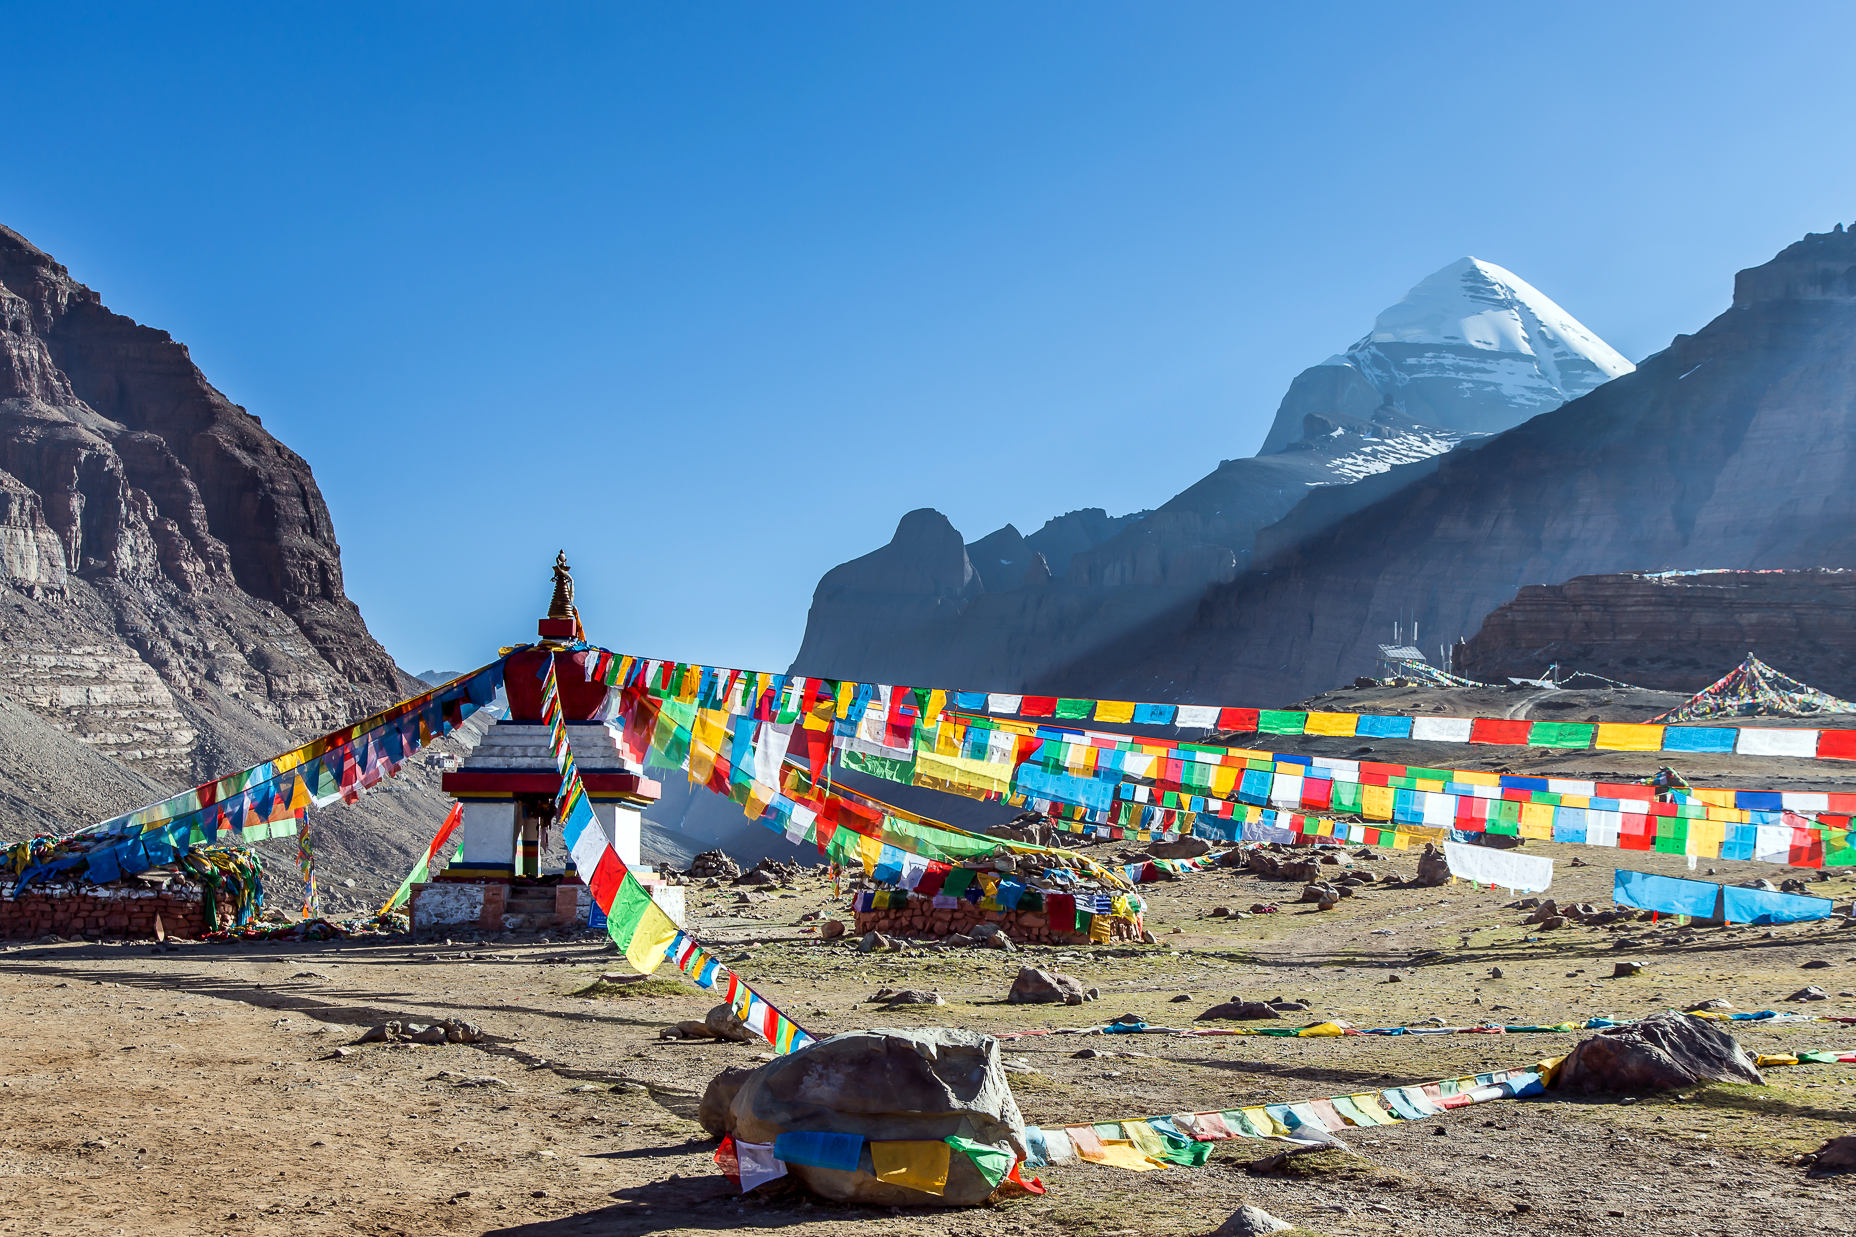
pixel 1473 348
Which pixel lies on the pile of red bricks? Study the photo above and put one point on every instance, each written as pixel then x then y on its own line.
pixel 108 911
pixel 921 918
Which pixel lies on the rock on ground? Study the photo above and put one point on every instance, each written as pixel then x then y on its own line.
pixel 1661 1053
pixel 712 1113
pixel 1034 987
pixel 1250 1221
pixel 724 1024
pixel 1237 1010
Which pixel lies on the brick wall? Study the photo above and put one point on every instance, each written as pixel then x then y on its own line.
pixel 922 918
pixel 106 911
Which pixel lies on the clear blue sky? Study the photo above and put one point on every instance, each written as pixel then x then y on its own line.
pixel 709 295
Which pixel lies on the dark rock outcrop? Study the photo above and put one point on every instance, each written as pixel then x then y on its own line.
pixel 1663 1052
pixel 1674 633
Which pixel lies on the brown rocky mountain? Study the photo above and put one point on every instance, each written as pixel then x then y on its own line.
pixel 1734 447
pixel 1675 632
pixel 171 602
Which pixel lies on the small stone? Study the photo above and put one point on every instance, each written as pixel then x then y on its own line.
pixel 1815 964
pixel 1087 1054
pixel 1221 912
pixel 1495 972
pixel 1183 996
pixel 831 929
pixel 1395 978
pixel 1250 1221
pixel 1812 993
pixel 1624 970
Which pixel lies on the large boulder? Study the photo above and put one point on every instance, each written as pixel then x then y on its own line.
pixel 1661 1053
pixel 719 1097
pixel 1035 987
pixel 886 1084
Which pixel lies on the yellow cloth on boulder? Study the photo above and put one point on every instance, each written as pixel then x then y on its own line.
pixel 918 1164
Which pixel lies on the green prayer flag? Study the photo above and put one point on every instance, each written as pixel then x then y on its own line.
pixel 1074 710
pixel 889 768
pixel 992 1162
pixel 1281 721
pixel 1561 734
pixel 627 909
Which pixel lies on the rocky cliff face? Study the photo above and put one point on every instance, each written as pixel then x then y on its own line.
pixel 1470 350
pixel 170 585
pixel 1731 448
pixel 1677 632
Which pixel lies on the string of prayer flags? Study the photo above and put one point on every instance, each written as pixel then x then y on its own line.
pixel 1118 786
pixel 636 924
pixel 836 703
pixel 266 800
pixel 1144 1144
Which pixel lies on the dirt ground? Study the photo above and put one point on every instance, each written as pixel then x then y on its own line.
pixel 195 1088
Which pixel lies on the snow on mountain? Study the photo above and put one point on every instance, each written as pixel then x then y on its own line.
pixel 1473 348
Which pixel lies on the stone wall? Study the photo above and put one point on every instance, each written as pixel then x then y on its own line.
pixel 921 918
pixel 107 911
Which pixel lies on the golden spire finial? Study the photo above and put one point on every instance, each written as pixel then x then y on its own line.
pixel 562 605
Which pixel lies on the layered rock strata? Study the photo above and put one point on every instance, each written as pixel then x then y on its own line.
pixel 171 600
pixel 1674 633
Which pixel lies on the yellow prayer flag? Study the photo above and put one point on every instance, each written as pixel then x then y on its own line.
pixel 1537 821
pixel 1114 710
pixel 1266 1124
pixel 653 935
pixel 918 1164
pixel 937 700
pixel 1629 737
pixel 1331 723
pixel 1144 1139
pixel 868 849
pixel 1376 802
pixel 702 763
pixel 1120 1153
